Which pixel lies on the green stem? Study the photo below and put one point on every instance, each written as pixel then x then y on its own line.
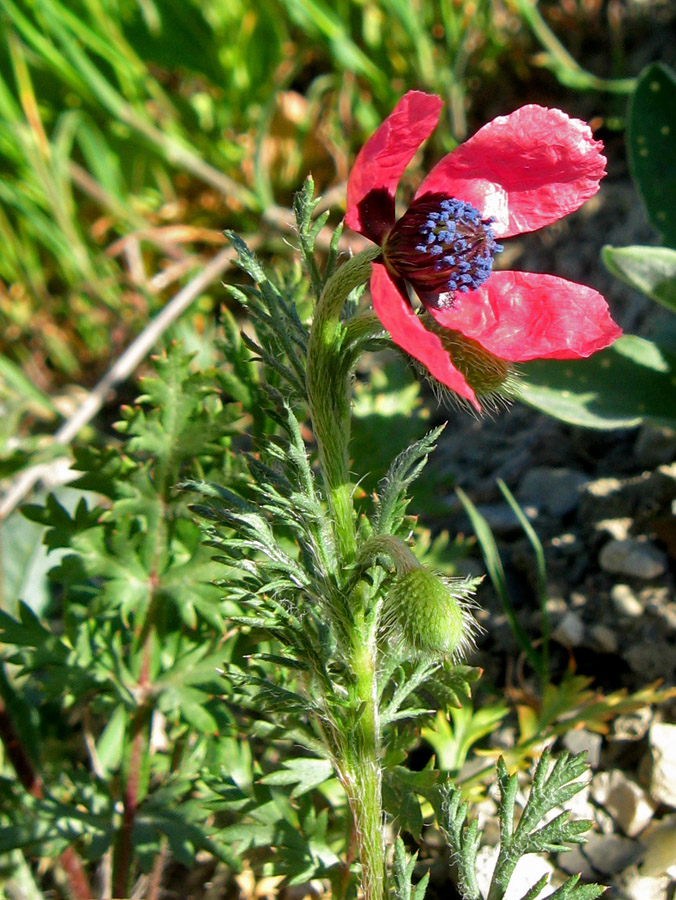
pixel 328 390
pixel 565 66
pixel 329 364
pixel 363 775
pixel 400 553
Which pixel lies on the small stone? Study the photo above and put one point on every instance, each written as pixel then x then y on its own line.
pixel 570 630
pixel 626 801
pixel 578 600
pixel 486 858
pixel 574 862
pixel 566 541
pixel 638 558
pixel 611 853
pixel 553 490
pixel 616 528
pixel 604 637
pixel 632 726
pixel 486 812
pixel 625 601
pixel 669 471
pixel 654 446
pixel 634 886
pixel 555 605
pixel 659 841
pixel 603 487
pixel 652 659
pixel 603 822
pixel 529 870
pixel 503 738
pixel 501 519
pixel 581 741
pixel 662 740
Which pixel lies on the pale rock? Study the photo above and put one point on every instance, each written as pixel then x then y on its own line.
pixel 604 638
pixel 627 802
pixel 603 487
pixel 581 741
pixel 616 528
pixel 528 872
pixel 501 519
pixel 652 659
pixel 626 602
pixel 659 842
pixel 611 853
pixel 654 445
pixel 634 886
pixel 574 862
pixel 603 821
pixel 669 471
pixel 633 726
pixel 486 813
pixel 486 858
pixel 638 558
pixel 555 605
pixel 553 490
pixel 570 630
pixel 662 741
pixel 566 541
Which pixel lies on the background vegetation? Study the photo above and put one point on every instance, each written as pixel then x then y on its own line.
pixel 132 134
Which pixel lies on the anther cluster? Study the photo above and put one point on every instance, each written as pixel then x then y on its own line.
pixel 442 245
pixel 463 243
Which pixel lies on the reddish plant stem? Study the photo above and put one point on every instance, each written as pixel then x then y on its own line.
pixel 155 883
pixel 17 755
pixel 139 746
pixel 78 883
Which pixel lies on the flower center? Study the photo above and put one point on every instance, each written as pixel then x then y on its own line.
pixel 442 245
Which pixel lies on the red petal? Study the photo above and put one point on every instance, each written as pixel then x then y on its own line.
pixel 381 162
pixel 520 316
pixel 527 169
pixel 408 332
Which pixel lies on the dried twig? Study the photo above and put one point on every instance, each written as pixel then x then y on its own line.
pixel 122 368
pixel 59 472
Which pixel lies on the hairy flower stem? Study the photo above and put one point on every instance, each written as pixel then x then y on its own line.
pixel 364 774
pixel 328 390
pixel 328 387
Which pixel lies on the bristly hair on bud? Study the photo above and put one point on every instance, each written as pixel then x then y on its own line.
pixel 493 380
pixel 425 615
pixel 485 373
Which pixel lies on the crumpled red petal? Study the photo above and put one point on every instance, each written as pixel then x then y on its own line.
pixel 408 332
pixel 527 169
pixel 381 162
pixel 522 315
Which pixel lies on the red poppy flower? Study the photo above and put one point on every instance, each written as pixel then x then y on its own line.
pixel 516 174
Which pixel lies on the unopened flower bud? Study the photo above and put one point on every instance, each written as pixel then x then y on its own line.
pixel 430 616
pixel 486 374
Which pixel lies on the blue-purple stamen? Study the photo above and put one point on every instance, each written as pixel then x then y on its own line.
pixel 441 245
pixel 442 230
